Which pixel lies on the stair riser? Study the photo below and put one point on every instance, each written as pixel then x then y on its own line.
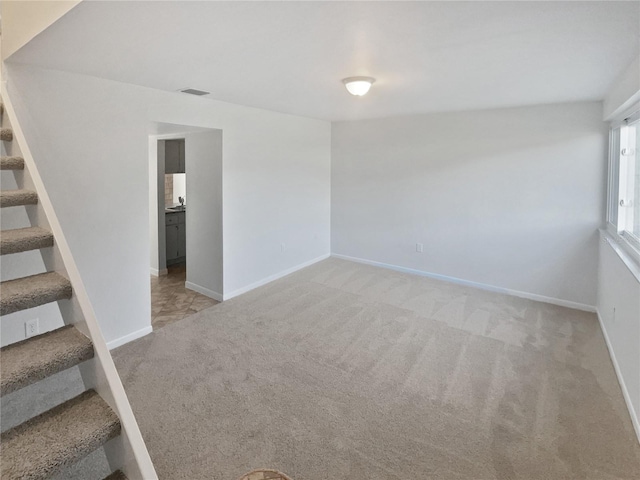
pixel 24 404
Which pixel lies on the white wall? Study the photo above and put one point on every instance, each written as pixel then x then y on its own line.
pixel 203 166
pixel 508 198
pixel 90 139
pixel 619 313
pixel 23 20
pixel 157 241
pixel 619 288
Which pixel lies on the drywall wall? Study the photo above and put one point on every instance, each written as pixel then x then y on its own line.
pixel 203 167
pixel 23 20
pixel 157 241
pixel 624 92
pixel 619 313
pixel 507 198
pixel 90 138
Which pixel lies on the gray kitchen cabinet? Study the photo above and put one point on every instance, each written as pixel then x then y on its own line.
pixel 182 241
pixel 172 242
pixel 174 156
pixel 175 234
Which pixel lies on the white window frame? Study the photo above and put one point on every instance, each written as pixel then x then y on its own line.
pixel 620 188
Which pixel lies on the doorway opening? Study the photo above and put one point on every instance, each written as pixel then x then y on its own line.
pixel 185 220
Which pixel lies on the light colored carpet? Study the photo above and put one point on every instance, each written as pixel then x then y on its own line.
pixel 346 371
pixel 36 358
pixel 32 291
pixel 48 443
pixel 24 239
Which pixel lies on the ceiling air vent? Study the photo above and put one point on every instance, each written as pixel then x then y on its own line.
pixel 193 91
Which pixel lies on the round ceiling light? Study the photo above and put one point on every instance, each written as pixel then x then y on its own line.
pixel 358 86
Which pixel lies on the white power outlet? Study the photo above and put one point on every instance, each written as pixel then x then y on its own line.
pixel 31 328
pixel 419 248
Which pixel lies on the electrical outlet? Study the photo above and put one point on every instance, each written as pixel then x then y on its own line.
pixel 419 248
pixel 31 328
pixel 283 247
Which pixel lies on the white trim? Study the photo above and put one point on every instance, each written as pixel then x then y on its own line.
pixel 624 250
pixel 275 276
pixel 623 386
pixel 618 116
pixel 129 337
pixel 159 273
pixel 204 291
pixel 468 283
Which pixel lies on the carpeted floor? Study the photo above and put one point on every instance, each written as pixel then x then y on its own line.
pixel 346 371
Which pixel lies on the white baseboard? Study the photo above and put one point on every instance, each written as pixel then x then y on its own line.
pixel 129 338
pixel 158 273
pixel 275 276
pixel 468 283
pixel 204 291
pixel 623 386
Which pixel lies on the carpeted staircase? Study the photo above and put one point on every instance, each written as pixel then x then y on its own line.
pixel 47 444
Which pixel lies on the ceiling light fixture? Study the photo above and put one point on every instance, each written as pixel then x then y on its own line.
pixel 358 86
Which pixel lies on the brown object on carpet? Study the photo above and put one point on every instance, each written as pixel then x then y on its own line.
pixel 264 474
pixel 343 369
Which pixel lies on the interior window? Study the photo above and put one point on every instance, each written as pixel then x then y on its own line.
pixel 624 185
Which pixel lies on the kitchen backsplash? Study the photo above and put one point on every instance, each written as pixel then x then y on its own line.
pixel 168 190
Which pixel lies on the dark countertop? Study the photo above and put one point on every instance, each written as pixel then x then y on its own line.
pixel 177 209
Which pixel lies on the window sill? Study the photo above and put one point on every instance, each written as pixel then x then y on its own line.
pixel 621 247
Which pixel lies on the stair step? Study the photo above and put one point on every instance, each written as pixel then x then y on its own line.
pixel 6 134
pixel 56 439
pixel 117 475
pixel 11 163
pixel 24 239
pixel 14 198
pixel 32 291
pixel 36 358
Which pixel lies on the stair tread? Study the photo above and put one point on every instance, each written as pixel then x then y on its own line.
pixel 32 291
pixel 13 198
pixel 36 358
pixel 56 439
pixel 11 163
pixel 24 239
pixel 6 134
pixel 117 475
